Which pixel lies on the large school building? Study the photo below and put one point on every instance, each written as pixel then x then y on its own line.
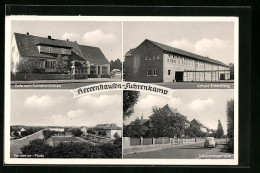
pixel 154 62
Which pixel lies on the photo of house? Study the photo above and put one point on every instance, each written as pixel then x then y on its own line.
pixel 82 59
pixel 177 127
pixel 109 129
pixel 153 62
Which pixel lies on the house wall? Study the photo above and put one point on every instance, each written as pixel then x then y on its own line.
pixel 15 57
pixel 144 57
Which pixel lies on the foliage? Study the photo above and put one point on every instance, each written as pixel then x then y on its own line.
pixel 230 118
pixel 77 132
pixel 62 64
pixel 130 98
pixel 118 139
pixel 29 66
pixel 117 64
pixel 47 134
pixel 102 133
pixel 194 131
pixel 220 131
pixel 167 125
pixel 73 150
pixel 137 130
pixel 37 146
pixel 91 131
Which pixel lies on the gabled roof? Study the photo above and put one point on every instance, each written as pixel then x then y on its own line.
pixel 27 45
pixel 93 54
pixel 107 127
pixel 167 108
pixel 182 52
pixel 142 121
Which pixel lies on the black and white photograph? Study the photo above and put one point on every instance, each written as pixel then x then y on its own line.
pixel 49 124
pixel 64 54
pixel 121 90
pixel 193 124
pixel 180 54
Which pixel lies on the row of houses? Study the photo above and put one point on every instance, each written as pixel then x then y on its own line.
pixel 146 124
pixel 153 62
pixel 109 129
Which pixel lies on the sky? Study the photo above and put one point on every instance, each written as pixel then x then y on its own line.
pixel 211 39
pixel 105 35
pixel 207 106
pixel 59 108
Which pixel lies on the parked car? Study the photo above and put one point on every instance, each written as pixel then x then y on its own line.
pixel 210 142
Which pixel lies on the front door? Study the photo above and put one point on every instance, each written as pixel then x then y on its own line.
pixel 179 76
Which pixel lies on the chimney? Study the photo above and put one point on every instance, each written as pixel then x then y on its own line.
pixel 49 37
pixel 27 33
pixel 67 39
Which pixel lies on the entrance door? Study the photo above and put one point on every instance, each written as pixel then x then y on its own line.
pixel 222 76
pixel 179 76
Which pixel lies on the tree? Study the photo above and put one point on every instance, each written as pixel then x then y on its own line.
pixel 194 131
pixel 230 118
pixel 77 132
pixel 167 125
pixel 62 64
pixel 220 131
pixel 29 66
pixel 117 64
pixel 91 131
pixel 130 98
pixel 37 146
pixel 136 129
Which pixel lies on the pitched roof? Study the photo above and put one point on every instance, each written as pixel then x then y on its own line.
pixel 107 126
pixel 93 54
pixel 183 52
pixel 174 111
pixel 142 121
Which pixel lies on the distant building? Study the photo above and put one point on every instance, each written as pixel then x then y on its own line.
pixel 57 129
pixel 153 62
pixel 84 59
pixel 110 129
pixel 203 128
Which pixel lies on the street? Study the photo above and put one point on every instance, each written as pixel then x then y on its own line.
pixel 19 143
pixel 186 151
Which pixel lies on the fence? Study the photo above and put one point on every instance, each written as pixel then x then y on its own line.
pixel 30 77
pixel 129 142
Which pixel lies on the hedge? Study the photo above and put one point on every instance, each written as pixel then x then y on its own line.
pixel 31 77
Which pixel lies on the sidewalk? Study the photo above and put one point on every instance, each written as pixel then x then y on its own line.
pixel 147 148
pixel 89 80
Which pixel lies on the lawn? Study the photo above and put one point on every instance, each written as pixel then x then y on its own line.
pixel 56 140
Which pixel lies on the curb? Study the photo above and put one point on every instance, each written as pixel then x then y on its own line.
pixel 161 148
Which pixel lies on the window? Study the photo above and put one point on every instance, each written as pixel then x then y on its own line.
pixel 49 49
pixel 149 72
pixel 154 57
pixel 146 57
pixel 169 72
pixel 150 58
pixel 169 60
pixel 158 57
pixel 184 61
pixel 181 60
pixel 174 60
pixel 154 72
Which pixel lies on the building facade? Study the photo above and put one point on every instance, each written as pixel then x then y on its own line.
pixel 82 59
pixel 154 62
pixel 110 129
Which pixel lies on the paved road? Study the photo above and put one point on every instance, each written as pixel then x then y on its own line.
pixel 187 151
pixel 17 144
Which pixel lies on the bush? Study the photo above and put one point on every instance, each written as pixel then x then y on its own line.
pixel 92 76
pixel 105 76
pixel 37 146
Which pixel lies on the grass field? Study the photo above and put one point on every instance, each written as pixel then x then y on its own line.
pixel 56 140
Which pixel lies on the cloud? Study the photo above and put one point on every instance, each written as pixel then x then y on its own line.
pixel 57 116
pixel 39 101
pixel 199 104
pixel 152 100
pixel 98 103
pixel 215 48
pixel 74 114
pixel 70 36
pixel 98 37
pixel 183 44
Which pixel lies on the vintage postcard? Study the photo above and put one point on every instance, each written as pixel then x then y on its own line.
pixel 88 90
